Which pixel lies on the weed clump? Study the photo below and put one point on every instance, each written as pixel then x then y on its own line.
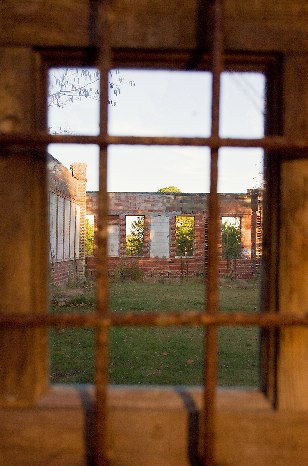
pixel 128 271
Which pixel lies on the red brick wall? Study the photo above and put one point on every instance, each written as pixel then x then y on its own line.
pixel 246 206
pixel 69 186
pixel 62 272
pixel 78 171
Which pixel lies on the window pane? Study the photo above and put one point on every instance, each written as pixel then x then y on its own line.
pixel 241 189
pixel 73 101
pixel 242 105
pixel 238 362
pixel 156 356
pixel 72 352
pixel 159 103
pixel 73 106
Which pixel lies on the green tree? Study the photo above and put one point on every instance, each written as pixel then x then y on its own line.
pixel 169 189
pixel 231 240
pixel 89 239
pixel 184 234
pixel 135 239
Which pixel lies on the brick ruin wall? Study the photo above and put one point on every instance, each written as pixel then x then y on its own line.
pixel 159 257
pixel 67 207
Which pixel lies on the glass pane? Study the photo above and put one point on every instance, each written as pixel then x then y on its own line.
pixel 241 190
pixel 238 362
pixel 73 101
pixel 167 188
pixel 147 355
pixel 160 103
pixel 73 108
pixel 242 105
pixel 148 169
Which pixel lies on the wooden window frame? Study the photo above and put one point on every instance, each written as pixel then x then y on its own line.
pixel 277 150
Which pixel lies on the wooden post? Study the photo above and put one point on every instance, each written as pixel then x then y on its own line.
pixel 292 380
pixel 23 237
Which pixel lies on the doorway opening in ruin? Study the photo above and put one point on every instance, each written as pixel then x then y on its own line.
pixel 157 189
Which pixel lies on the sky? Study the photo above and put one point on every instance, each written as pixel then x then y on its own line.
pixel 165 103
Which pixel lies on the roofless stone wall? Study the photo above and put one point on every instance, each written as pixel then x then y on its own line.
pixel 159 257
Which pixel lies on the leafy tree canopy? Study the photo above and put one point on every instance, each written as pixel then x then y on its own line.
pixel 169 189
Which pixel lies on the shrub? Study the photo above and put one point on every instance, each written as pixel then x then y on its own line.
pixel 128 271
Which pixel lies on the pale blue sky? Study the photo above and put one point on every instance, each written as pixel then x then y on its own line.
pixel 168 103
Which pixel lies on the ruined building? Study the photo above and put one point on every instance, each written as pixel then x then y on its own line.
pixel 158 256
pixel 70 205
pixel 67 208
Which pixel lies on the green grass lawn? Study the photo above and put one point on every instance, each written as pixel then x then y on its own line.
pixel 170 355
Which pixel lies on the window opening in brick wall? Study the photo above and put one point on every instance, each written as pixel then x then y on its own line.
pixel 134 238
pixel 184 235
pixel 231 238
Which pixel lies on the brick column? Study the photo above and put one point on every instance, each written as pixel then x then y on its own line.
pixel 246 244
pixel 199 235
pixel 147 242
pixel 172 237
pixel 79 171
